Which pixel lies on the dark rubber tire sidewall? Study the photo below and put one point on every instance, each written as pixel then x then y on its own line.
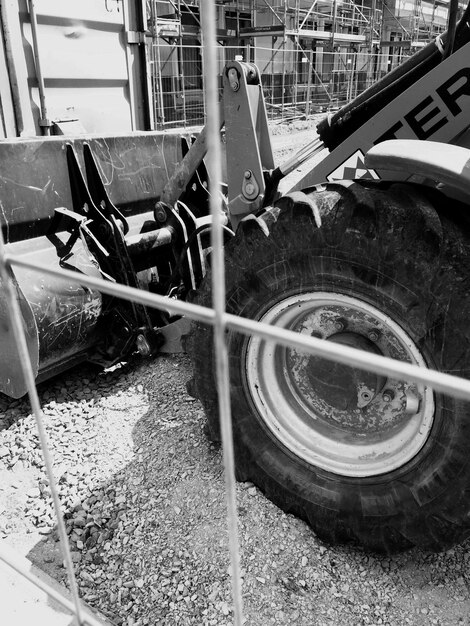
pixel 422 503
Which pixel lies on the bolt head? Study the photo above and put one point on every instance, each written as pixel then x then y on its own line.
pixel 160 212
pixel 143 345
pixel 250 189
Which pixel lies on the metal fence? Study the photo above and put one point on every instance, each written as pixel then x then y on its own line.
pixel 297 82
pixel 221 321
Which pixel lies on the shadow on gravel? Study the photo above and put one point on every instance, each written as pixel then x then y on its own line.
pixel 143 495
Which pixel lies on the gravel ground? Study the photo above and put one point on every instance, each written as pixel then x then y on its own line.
pixel 143 495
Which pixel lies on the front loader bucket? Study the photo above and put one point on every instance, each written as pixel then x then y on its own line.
pixel 46 208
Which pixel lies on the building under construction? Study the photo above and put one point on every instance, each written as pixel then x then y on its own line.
pixel 313 55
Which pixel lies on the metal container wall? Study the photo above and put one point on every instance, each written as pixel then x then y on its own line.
pixel 71 60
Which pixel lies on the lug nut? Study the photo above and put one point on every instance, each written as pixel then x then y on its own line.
pixel 388 395
pixel 374 335
pixel 412 403
pixel 339 326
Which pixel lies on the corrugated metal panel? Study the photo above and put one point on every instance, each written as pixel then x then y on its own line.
pixel 82 55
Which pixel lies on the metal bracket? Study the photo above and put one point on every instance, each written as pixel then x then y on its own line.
pixel 135 36
pixel 45 123
pixel 250 187
pixel 187 246
pixel 71 221
pixel 104 231
pixel 249 150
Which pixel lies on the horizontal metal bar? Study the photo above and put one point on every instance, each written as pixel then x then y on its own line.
pixel 453 385
pixel 145 242
pixel 446 383
pixel 117 290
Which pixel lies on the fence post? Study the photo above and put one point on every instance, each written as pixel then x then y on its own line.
pixel 309 83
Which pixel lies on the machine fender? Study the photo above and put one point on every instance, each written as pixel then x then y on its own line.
pixel 442 163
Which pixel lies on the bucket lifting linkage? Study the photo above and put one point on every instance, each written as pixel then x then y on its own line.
pixel 102 228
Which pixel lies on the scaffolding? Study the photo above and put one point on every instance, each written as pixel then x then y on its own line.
pixel 313 55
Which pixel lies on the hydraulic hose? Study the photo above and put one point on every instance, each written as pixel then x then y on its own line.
pixel 334 129
pixel 453 13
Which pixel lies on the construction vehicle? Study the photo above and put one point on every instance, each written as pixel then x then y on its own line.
pixel 368 249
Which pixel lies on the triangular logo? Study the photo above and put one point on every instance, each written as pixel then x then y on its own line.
pixel 353 169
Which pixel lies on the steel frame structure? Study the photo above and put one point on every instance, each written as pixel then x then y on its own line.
pixel 313 56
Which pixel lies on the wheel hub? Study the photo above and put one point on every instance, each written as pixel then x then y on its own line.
pixel 340 418
pixel 342 387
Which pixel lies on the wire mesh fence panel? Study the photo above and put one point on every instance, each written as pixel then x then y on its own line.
pixel 294 84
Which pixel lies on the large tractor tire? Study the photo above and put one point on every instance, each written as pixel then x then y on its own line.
pixel 360 456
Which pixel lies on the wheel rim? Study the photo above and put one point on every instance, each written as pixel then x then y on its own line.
pixel 338 418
